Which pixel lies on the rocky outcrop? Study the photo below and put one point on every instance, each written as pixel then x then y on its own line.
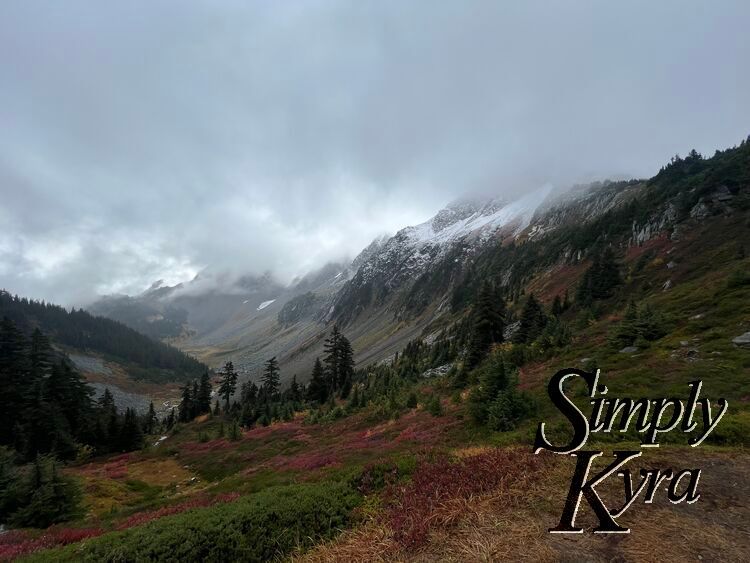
pixel 742 340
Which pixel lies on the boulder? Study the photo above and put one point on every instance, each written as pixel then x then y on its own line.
pixel 629 350
pixel 742 340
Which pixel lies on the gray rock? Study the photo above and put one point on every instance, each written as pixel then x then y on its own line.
pixel 700 211
pixel 742 340
pixel 511 329
pixel 438 371
pixel 667 285
pixel 629 350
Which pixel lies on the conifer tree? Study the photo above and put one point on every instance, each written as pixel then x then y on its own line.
pixel 131 435
pixel 316 389
pixel 294 389
pixel 332 358
pixel 338 362
pixel 346 366
pixel 557 307
pixel 185 408
pixel 169 422
pixel 271 377
pixel 203 398
pixel 150 420
pixel 532 322
pixel 488 323
pixel 600 279
pixel 228 384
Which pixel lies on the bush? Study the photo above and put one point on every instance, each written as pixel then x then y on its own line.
pixel 36 496
pixel 738 278
pixel 260 527
pixel 640 324
pixel 434 406
pixel 508 409
pixel 411 402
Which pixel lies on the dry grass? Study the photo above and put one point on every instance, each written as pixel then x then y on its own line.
pixel 510 523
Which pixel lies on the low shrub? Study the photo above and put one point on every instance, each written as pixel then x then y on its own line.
pixel 439 488
pixel 260 527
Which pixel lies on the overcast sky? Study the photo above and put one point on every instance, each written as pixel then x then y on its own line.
pixel 155 139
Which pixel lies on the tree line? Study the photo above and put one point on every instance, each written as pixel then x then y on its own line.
pixel 78 329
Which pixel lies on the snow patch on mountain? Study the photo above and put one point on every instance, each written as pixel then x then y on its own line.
pixel 465 218
pixel 265 304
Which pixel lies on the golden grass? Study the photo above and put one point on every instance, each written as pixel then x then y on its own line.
pixel 511 524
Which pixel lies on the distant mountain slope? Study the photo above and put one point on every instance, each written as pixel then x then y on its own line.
pixel 143 357
pixel 424 277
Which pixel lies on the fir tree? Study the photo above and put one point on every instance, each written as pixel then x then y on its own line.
pixel 169 422
pixel 600 279
pixel 185 408
pixel 131 435
pixel 294 390
pixel 488 323
pixel 332 358
pixel 149 423
pixel 338 362
pixel 228 384
pixel 532 322
pixel 557 306
pixel 203 398
pixel 316 389
pixel 271 377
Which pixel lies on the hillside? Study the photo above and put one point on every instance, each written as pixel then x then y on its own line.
pixel 423 278
pixel 428 455
pixel 90 340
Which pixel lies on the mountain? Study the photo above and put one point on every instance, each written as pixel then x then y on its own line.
pixel 424 277
pixel 646 281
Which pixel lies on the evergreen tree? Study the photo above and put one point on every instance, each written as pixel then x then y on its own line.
pixel 532 322
pixel 492 380
pixel 249 393
pixel 332 359
pixel 194 404
pixel 488 323
pixel 294 390
pixel 185 408
pixel 131 435
pixel 557 307
pixel 149 424
pixel 271 377
pixel 346 366
pixel 601 278
pixel 316 389
pixel 203 398
pixel 228 384
pixel 338 362
pixel 169 422
pixel 13 371
pixel 40 497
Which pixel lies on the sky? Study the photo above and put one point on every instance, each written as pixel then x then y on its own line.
pixel 152 140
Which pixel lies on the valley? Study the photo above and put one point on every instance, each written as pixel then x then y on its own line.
pixel 422 450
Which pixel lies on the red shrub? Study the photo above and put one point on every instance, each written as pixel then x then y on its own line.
pixel 312 460
pixel 199 502
pixel 16 543
pixel 420 504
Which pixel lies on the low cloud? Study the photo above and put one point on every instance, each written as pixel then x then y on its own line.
pixel 154 141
